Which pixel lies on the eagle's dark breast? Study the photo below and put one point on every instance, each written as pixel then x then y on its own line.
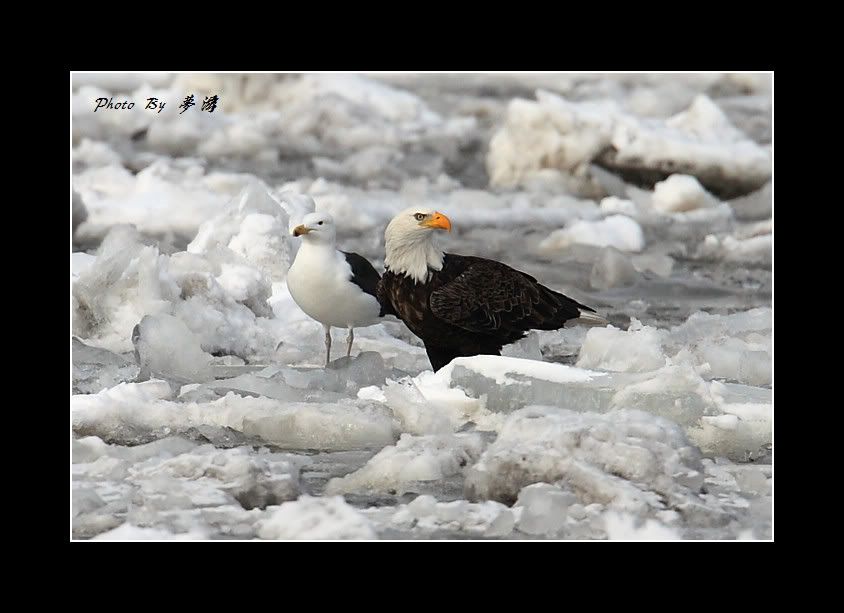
pixel 473 306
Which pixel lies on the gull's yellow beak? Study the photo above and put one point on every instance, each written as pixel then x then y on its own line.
pixel 438 221
pixel 300 230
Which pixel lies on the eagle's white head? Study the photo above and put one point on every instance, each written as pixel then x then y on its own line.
pixel 409 242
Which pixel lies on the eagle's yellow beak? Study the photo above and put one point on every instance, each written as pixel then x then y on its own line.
pixel 439 222
pixel 300 230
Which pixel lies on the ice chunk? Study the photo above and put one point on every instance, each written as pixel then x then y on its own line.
pixel 315 519
pixel 171 484
pixel 254 480
pixel 366 368
pixel 675 391
pixel 659 264
pixel 79 262
pixel 753 250
pixel 90 448
pixel 612 204
pixel 124 283
pixel 735 347
pixel 168 349
pixel 507 384
pixel 544 508
pixel 613 269
pixel 426 404
pixel 425 515
pixel 743 427
pixel 625 526
pixel 255 226
pixel 617 231
pixel 142 412
pixel 637 350
pixel 330 426
pixel 527 348
pixel 276 387
pixel 563 343
pixel 128 532
pixel 681 193
pixel 626 459
pixel 218 296
pixel 411 462
pixel 97 369
pixel 166 196
pixel 553 133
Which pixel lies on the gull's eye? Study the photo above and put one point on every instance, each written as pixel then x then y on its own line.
pixel 419 216
pixel 319 224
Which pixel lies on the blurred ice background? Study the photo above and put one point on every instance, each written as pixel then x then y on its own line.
pixel 646 196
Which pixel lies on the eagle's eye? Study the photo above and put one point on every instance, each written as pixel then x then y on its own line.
pixel 419 216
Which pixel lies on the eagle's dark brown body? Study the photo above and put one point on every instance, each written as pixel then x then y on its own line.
pixel 473 306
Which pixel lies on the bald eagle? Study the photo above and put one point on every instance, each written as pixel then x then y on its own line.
pixel 462 305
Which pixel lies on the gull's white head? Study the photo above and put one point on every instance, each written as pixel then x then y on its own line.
pixel 409 242
pixel 317 228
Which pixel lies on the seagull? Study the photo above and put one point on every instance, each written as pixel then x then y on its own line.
pixel 464 305
pixel 334 287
